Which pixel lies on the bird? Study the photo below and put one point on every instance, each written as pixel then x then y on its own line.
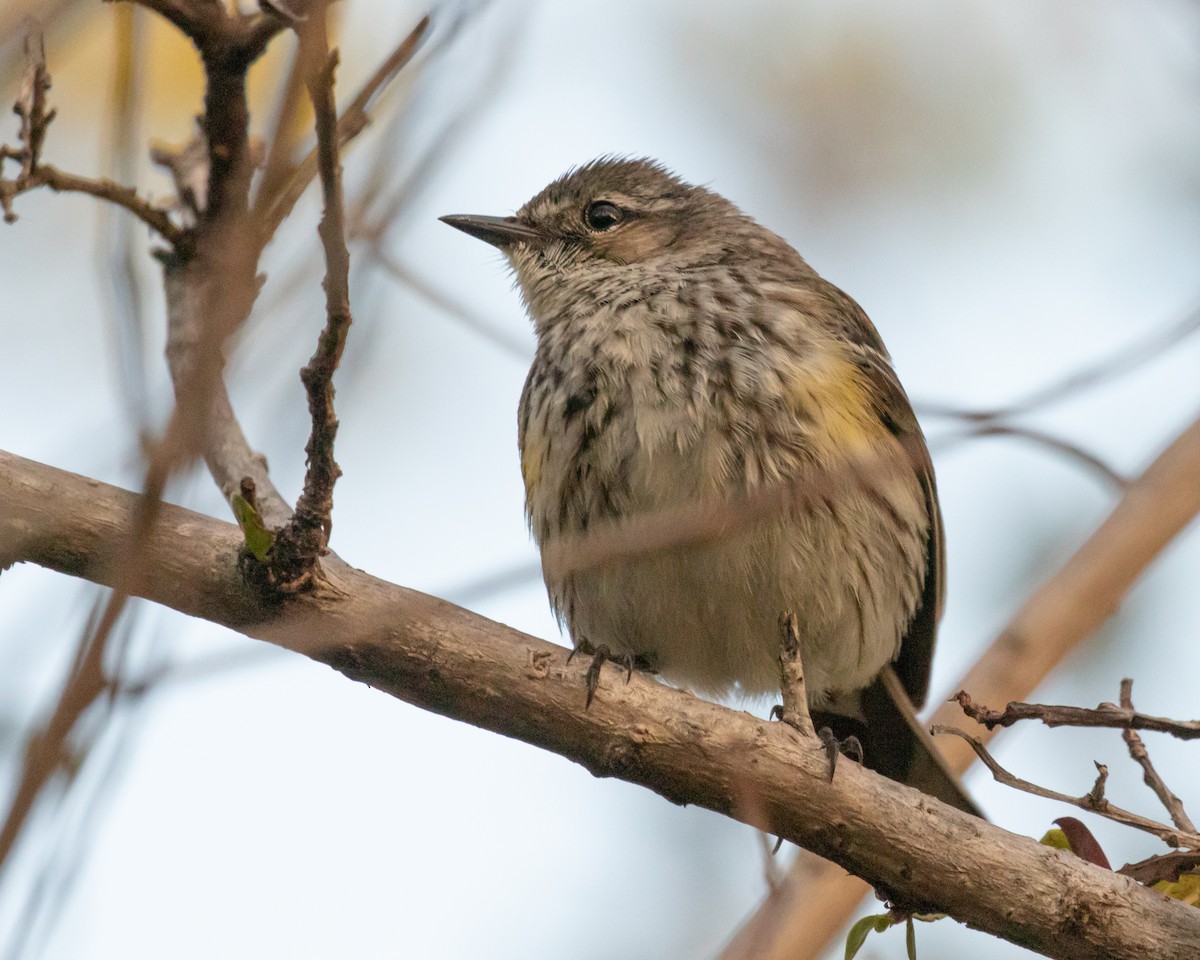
pixel 686 355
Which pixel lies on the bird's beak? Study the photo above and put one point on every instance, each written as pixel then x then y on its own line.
pixel 498 231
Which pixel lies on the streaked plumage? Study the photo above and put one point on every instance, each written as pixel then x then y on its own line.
pixel 685 353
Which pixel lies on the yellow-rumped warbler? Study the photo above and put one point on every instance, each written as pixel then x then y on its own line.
pixel 685 354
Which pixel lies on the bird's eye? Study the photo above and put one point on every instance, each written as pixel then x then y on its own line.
pixel 602 215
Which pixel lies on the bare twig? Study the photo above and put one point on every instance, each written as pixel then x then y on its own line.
pixel 1094 800
pixel 216 248
pixel 47 750
pixel 31 107
pixel 515 348
pixel 1166 866
pixel 35 119
pixel 1071 450
pixel 274 203
pixel 1119 362
pixel 792 686
pixel 1137 750
pixel 1090 586
pixel 1052 715
pixel 104 189
pixel 281 142
pixel 703 521
pixel 303 540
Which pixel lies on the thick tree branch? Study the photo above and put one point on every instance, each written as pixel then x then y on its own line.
pixel 447 660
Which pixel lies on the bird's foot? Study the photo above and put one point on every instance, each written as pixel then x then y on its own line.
pixel 851 747
pixel 600 653
pixel 835 746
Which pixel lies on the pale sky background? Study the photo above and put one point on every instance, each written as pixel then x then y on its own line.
pixel 1010 191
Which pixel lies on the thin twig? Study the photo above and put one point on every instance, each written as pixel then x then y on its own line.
pixel 519 350
pixel 47 750
pixel 705 520
pixel 1041 438
pixel 1052 715
pixel 125 197
pixel 118 237
pixel 36 118
pixel 1137 750
pixel 1119 362
pixel 277 168
pixel 1094 800
pixel 303 540
pixel 273 206
pixel 1166 866
pixel 792 686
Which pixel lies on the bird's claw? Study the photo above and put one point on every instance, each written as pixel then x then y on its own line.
pixel 599 655
pixel 851 747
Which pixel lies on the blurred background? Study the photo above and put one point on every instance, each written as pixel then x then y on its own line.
pixel 1010 191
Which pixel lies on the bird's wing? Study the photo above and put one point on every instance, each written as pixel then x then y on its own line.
pixel 895 412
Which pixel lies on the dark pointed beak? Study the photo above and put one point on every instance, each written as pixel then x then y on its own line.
pixel 498 231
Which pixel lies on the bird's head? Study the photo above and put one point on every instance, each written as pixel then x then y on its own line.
pixel 612 229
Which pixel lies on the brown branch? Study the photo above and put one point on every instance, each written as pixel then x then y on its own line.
pixel 30 106
pixel 794 711
pixel 1137 750
pixel 1053 715
pixel 1071 450
pixel 1120 361
pixel 1093 801
pixel 36 118
pixel 272 206
pixel 199 20
pixel 445 659
pixel 47 750
pixel 1167 866
pixel 1090 586
pixel 213 28
pixel 705 520
pixel 104 189
pixel 185 430
pixel 303 540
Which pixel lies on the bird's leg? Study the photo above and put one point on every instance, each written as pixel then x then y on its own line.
pixel 794 711
pixel 601 653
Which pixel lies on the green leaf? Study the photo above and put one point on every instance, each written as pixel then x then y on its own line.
pixel 258 538
pixel 1057 839
pixel 1186 888
pixel 858 933
pixel 910 940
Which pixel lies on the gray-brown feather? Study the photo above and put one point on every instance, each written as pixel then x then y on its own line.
pixel 673 365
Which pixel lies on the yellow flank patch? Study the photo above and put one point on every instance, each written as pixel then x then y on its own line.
pixel 532 458
pixel 831 391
